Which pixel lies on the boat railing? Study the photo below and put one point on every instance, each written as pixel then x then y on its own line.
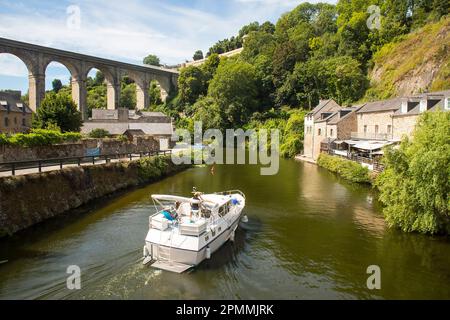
pixel 229 192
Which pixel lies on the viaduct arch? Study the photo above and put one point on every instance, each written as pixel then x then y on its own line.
pixel 37 58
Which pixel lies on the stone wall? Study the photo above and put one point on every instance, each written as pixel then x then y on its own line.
pixel 404 125
pixel 372 119
pixel 78 149
pixel 29 199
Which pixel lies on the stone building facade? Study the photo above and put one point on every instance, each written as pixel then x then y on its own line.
pixel 313 130
pixel 377 123
pixel 15 116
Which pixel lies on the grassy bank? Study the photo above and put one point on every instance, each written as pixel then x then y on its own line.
pixel 347 169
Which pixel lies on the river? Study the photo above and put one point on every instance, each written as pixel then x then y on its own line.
pixel 310 235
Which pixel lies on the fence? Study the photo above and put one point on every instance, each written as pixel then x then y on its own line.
pixel 42 163
pixel 373 164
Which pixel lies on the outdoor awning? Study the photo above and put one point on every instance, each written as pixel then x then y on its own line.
pixel 351 142
pixel 370 145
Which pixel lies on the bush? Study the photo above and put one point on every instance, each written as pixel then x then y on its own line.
pixel 347 169
pixel 151 168
pixel 58 109
pixel 39 137
pixel 98 133
pixel 414 187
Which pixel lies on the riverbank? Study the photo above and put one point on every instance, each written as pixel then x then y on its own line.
pixel 30 199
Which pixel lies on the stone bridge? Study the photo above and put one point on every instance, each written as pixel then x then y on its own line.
pixel 37 58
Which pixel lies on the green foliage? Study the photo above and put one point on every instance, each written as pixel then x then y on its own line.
pixel 58 109
pixel 292 140
pixel 234 88
pixel 347 169
pixel 198 55
pixel 99 133
pixel 415 185
pixel 151 168
pixel 152 60
pixel 57 85
pixel 128 95
pixel 39 137
pixel 191 84
pixel 154 95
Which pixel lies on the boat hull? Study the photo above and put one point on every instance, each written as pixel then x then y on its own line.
pixel 192 257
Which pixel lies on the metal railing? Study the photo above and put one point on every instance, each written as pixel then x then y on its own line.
pixel 39 164
pixel 229 192
pixel 371 136
pixel 377 166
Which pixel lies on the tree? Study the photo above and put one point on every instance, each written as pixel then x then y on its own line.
pixel 191 84
pixel 128 96
pixel 198 55
pixel 234 88
pixel 152 60
pixel 59 110
pixel 154 94
pixel 209 113
pixel 210 66
pixel 415 186
pixel 57 85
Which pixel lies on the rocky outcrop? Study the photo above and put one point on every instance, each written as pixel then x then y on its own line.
pixel 419 62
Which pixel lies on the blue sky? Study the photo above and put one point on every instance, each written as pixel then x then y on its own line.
pixel 126 30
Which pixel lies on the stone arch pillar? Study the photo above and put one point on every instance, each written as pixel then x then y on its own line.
pixel 79 95
pixel 113 92
pixel 36 90
pixel 142 97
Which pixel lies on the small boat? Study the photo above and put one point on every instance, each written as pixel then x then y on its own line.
pixel 186 231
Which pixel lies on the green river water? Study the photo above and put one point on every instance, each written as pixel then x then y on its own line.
pixel 310 235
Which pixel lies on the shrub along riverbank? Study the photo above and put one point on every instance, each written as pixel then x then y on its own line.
pixel 347 169
pixel 29 199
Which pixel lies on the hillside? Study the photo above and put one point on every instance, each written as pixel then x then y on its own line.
pixel 419 62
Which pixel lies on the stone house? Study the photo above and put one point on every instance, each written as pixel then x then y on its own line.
pixel 15 116
pixel 405 118
pixel 119 121
pixel 315 131
pixel 326 123
pixel 375 120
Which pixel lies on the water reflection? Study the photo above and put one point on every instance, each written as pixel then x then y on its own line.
pixel 310 235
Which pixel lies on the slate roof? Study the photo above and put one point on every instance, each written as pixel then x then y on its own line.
pixel 380 106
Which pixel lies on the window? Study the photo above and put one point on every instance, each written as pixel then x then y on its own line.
pixel 389 129
pixel 319 132
pixel 331 132
pixel 376 129
pixel 6 122
pixel 365 129
pixel 24 122
pixel 15 120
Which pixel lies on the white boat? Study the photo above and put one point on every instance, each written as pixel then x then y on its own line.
pixel 186 231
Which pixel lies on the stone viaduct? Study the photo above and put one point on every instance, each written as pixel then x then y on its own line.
pixel 37 58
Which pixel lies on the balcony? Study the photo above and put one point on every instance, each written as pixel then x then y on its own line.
pixel 371 136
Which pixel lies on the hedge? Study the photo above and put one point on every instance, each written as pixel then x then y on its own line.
pixel 347 169
pixel 39 137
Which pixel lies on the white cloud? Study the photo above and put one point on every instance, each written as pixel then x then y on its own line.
pixel 130 31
